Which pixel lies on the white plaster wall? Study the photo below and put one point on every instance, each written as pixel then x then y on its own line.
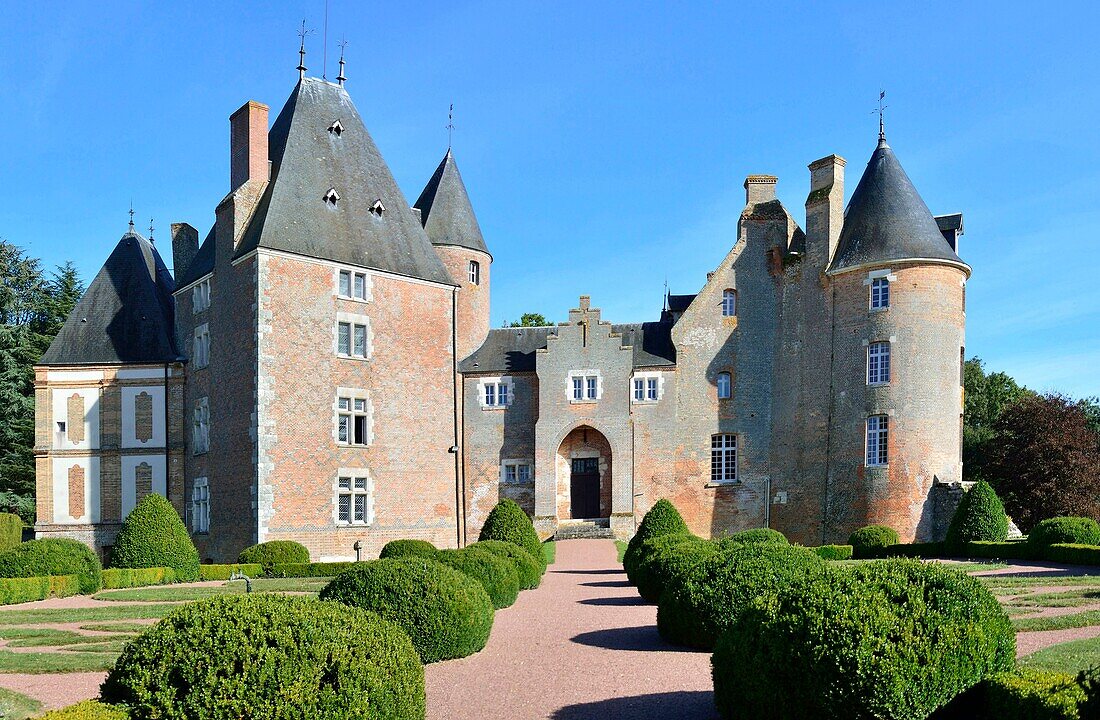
pixel 129 417
pixel 129 479
pixel 61 467
pixel 91 418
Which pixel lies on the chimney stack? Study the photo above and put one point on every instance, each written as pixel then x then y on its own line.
pixel 824 210
pixel 185 244
pixel 759 189
pixel 248 145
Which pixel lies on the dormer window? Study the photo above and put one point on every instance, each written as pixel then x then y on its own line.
pixel 332 197
pixel 729 303
pixel 378 208
pixel 336 128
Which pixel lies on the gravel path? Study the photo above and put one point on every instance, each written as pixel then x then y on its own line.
pixel 1031 642
pixel 55 691
pixel 583 645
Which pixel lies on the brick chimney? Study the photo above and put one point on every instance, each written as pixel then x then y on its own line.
pixel 248 144
pixel 759 189
pixel 185 244
pixel 824 210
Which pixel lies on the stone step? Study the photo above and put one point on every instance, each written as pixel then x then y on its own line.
pixel 584 530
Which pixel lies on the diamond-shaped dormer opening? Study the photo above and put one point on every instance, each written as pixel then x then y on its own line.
pixel 332 197
pixel 336 128
pixel 378 208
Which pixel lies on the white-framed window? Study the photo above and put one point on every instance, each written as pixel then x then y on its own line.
pixel 353 285
pixel 878 363
pixel 201 351
pixel 729 303
pixel 514 472
pixel 877 436
pixel 496 394
pixel 200 297
pixel 200 430
pixel 473 271
pixel 353 336
pixel 646 387
pixel 353 419
pixel 723 458
pixel 585 386
pixel 200 506
pixel 354 498
pixel 725 386
pixel 880 293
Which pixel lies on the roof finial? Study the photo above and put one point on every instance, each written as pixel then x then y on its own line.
pixel 881 125
pixel 450 125
pixel 131 216
pixel 150 229
pixel 340 78
pixel 302 51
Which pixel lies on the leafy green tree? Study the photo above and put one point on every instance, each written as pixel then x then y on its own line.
pixel 530 320
pixel 985 398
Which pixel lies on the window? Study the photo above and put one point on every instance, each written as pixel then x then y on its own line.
pixel 331 197
pixel 200 297
pixel 586 386
pixel 352 339
pixel 878 363
pixel 474 271
pixel 516 471
pixel 200 506
pixel 646 388
pixel 201 353
pixel 591 386
pixel 724 386
pixel 877 430
pixel 353 285
pixel 353 421
pixel 578 388
pixel 497 394
pixel 200 430
pixel 723 458
pixel 729 303
pixel 377 208
pixel 354 499
pixel 336 128
pixel 880 293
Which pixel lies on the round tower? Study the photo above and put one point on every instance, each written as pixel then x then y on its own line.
pixel 898 290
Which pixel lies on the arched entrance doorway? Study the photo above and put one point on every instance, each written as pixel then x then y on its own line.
pixel 583 465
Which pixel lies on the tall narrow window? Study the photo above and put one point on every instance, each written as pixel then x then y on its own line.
pixel 202 346
pixel 880 293
pixel 723 458
pixel 962 367
pixel 729 303
pixel 877 434
pixel 354 500
pixel 578 388
pixel 200 506
pixel 352 421
pixel 639 389
pixel 878 363
pixel 723 386
pixel 200 297
pixel 651 389
pixel 200 430
pixel 474 269
pixel 345 283
pixel 591 387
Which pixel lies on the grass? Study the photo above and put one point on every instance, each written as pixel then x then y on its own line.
pixel 550 551
pixel 1062 622
pixel 105 645
pixel 1069 598
pixel 50 663
pixel 1019 582
pixel 621 545
pixel 167 593
pixel 83 615
pixel 41 637
pixel 1071 657
pixel 119 627
pixel 14 706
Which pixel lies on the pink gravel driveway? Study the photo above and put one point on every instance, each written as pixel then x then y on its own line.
pixel 583 645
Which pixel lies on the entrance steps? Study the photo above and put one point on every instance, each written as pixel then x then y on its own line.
pixel 598 529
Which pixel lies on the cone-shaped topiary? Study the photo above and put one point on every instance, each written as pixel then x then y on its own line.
pixel 528 569
pixel 53 556
pixel 979 517
pixel 154 536
pixel 273 552
pixel 405 548
pixel 496 574
pixel 662 519
pixel 509 523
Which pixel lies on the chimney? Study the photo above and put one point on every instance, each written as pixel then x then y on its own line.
pixel 759 189
pixel 248 144
pixel 185 243
pixel 824 210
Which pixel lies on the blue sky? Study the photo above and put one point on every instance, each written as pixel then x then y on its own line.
pixel 604 145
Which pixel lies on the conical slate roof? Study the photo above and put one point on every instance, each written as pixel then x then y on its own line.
pixel 446 211
pixel 370 223
pixel 887 220
pixel 127 315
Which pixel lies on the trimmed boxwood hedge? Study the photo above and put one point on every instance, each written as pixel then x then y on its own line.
pixel 274 552
pixel 496 574
pixel 507 522
pixel 712 595
pixel 833 552
pixel 257 655
pixel 661 519
pixel 11 531
pixel 1073 554
pixel 870 541
pixel 88 710
pixel 153 535
pixel 1031 694
pixel 446 613
pixel 1008 550
pixel 306 570
pixel 136 577
pixel 528 570
pixel 53 556
pixel 757 535
pixel 28 589
pixel 224 572
pixel 1065 530
pixel 404 547
pixel 891 639
pixel 979 517
pixel 664 559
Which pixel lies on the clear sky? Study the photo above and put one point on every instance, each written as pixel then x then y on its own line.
pixel 604 145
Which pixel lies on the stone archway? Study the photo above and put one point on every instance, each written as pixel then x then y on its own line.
pixel 583 467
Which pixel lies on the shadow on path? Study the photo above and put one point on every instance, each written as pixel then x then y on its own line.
pixel 613 571
pixel 698 705
pixel 614 601
pixel 608 584
pixel 639 639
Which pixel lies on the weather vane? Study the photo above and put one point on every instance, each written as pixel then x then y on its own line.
pixel 450 124
pixel 150 229
pixel 302 51
pixel 343 44
pixel 131 216
pixel 880 110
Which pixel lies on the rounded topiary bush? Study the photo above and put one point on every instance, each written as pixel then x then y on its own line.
pixel 446 613
pixel 711 596
pixel 274 552
pixel 662 519
pixel 496 574
pixel 662 557
pixel 872 540
pixel 892 639
pixel 256 655
pixel 408 548
pixel 154 536
pixel 53 556
pixel 507 522
pixel 1077 530
pixel 528 569
pixel 757 535
pixel 980 517
pixel 88 710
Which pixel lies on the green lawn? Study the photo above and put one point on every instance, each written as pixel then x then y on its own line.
pixel 550 551
pixel 83 615
pixel 168 593
pixel 1071 657
pixel 14 706
pixel 620 545
pixel 38 663
pixel 119 627
pixel 1063 622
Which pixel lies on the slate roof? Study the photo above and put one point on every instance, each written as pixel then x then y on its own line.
pixel 679 303
pixel 307 160
pixel 887 220
pixel 127 315
pixel 949 223
pixel 508 350
pixel 445 209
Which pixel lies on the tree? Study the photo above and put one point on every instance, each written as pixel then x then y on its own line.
pixel 530 320
pixel 1046 460
pixel 985 398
